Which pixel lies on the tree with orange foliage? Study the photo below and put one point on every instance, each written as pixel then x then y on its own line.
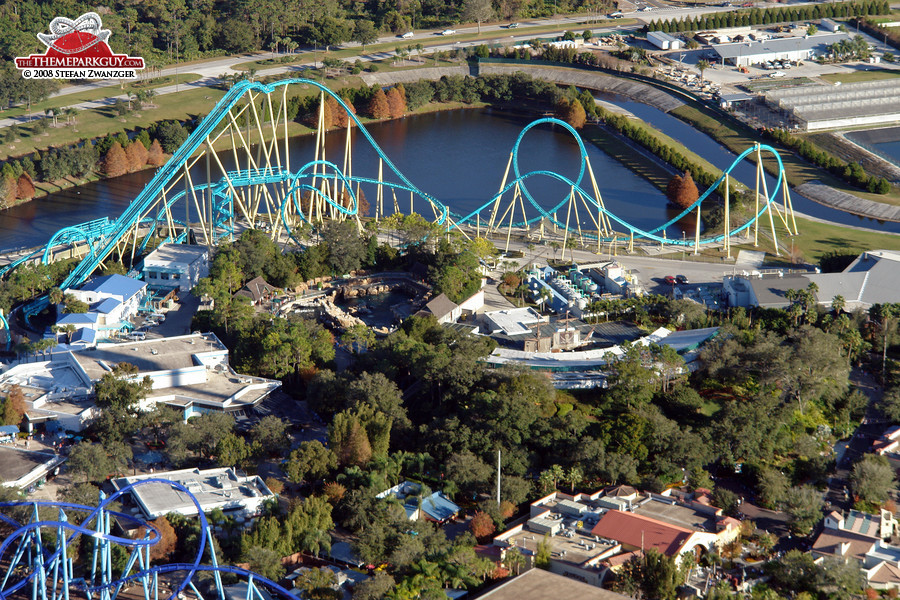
pixel 341 118
pixel 378 106
pixel 682 191
pixel 334 492
pixel 115 163
pixel 168 539
pixel 25 187
pixel 14 406
pixel 482 525
pixel 136 155
pixel 155 155
pixel 572 112
pixel 396 98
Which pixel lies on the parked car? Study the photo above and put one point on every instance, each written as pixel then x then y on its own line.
pixel 670 279
pixel 681 279
pixel 136 336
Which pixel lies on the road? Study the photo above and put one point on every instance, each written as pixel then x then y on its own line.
pixel 211 70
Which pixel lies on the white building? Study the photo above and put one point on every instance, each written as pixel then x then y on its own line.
pixel 744 54
pixel 664 41
pixel 112 300
pixel 188 372
pixel 176 266
pixel 222 488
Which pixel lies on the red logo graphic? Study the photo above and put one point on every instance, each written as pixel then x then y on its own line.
pixel 78 49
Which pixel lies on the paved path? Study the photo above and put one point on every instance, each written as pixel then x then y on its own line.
pixel 823 194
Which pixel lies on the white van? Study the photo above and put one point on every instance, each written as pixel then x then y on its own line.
pixel 136 336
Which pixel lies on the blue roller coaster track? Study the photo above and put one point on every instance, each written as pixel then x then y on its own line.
pixel 152 209
pixel 38 554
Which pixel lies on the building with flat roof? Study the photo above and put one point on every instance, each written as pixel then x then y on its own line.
pixel 847 105
pixel 873 278
pixel 538 584
pixel 223 488
pixel 744 54
pixel 188 372
pixel 175 266
pixel 23 468
pixel 859 536
pixel 664 41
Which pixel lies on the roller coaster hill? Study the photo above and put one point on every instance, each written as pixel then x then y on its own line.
pixel 59 550
pixel 267 185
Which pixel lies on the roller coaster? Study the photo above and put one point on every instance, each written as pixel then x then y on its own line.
pixel 39 555
pixel 248 130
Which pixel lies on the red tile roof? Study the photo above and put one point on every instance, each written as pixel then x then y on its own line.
pixel 639 531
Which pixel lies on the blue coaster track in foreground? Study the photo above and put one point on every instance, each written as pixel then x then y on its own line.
pixel 38 555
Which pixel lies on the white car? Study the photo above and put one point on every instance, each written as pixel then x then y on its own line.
pixel 407 35
pixel 647 9
pixel 448 32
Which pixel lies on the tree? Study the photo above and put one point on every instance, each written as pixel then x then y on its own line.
pixel 90 461
pixel 543 554
pixel 478 11
pixel 264 561
pixel 550 478
pixel 24 187
pixel 318 584
pixel 365 33
pixel 115 162
pixel 358 338
pixel 812 30
pixel 346 248
pixel 572 112
pixel 482 525
pixel 271 433
pixel 379 108
pixel 804 505
pixel 232 451
pixel 136 155
pixel 514 560
pixel 155 155
pixel 118 390
pixel 396 97
pixel 872 478
pixel 14 406
pixel 682 191
pixel 702 65
pixel 376 587
pixel 168 540
pixel 885 314
pixel 311 460
pixel 652 575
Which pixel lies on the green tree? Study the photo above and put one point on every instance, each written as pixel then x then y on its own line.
pixel 346 248
pixel 872 478
pixel 702 65
pixel 90 461
pixel 311 461
pixel 543 554
pixel 271 433
pixel 804 504
pixel 264 561
pixel 478 11
pixel 232 451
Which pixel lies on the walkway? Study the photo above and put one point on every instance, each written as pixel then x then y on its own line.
pixel 823 194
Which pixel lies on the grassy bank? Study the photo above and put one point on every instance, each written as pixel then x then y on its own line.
pixel 738 137
pixel 38 108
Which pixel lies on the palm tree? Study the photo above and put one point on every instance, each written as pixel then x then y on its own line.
pixel 702 65
pixel 71 112
pixel 514 560
pixel 837 304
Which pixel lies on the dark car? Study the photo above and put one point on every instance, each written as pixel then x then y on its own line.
pixel 681 279
pixel 670 279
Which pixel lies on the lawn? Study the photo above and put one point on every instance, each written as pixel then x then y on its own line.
pixel 100 122
pixel 96 94
pixel 868 75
